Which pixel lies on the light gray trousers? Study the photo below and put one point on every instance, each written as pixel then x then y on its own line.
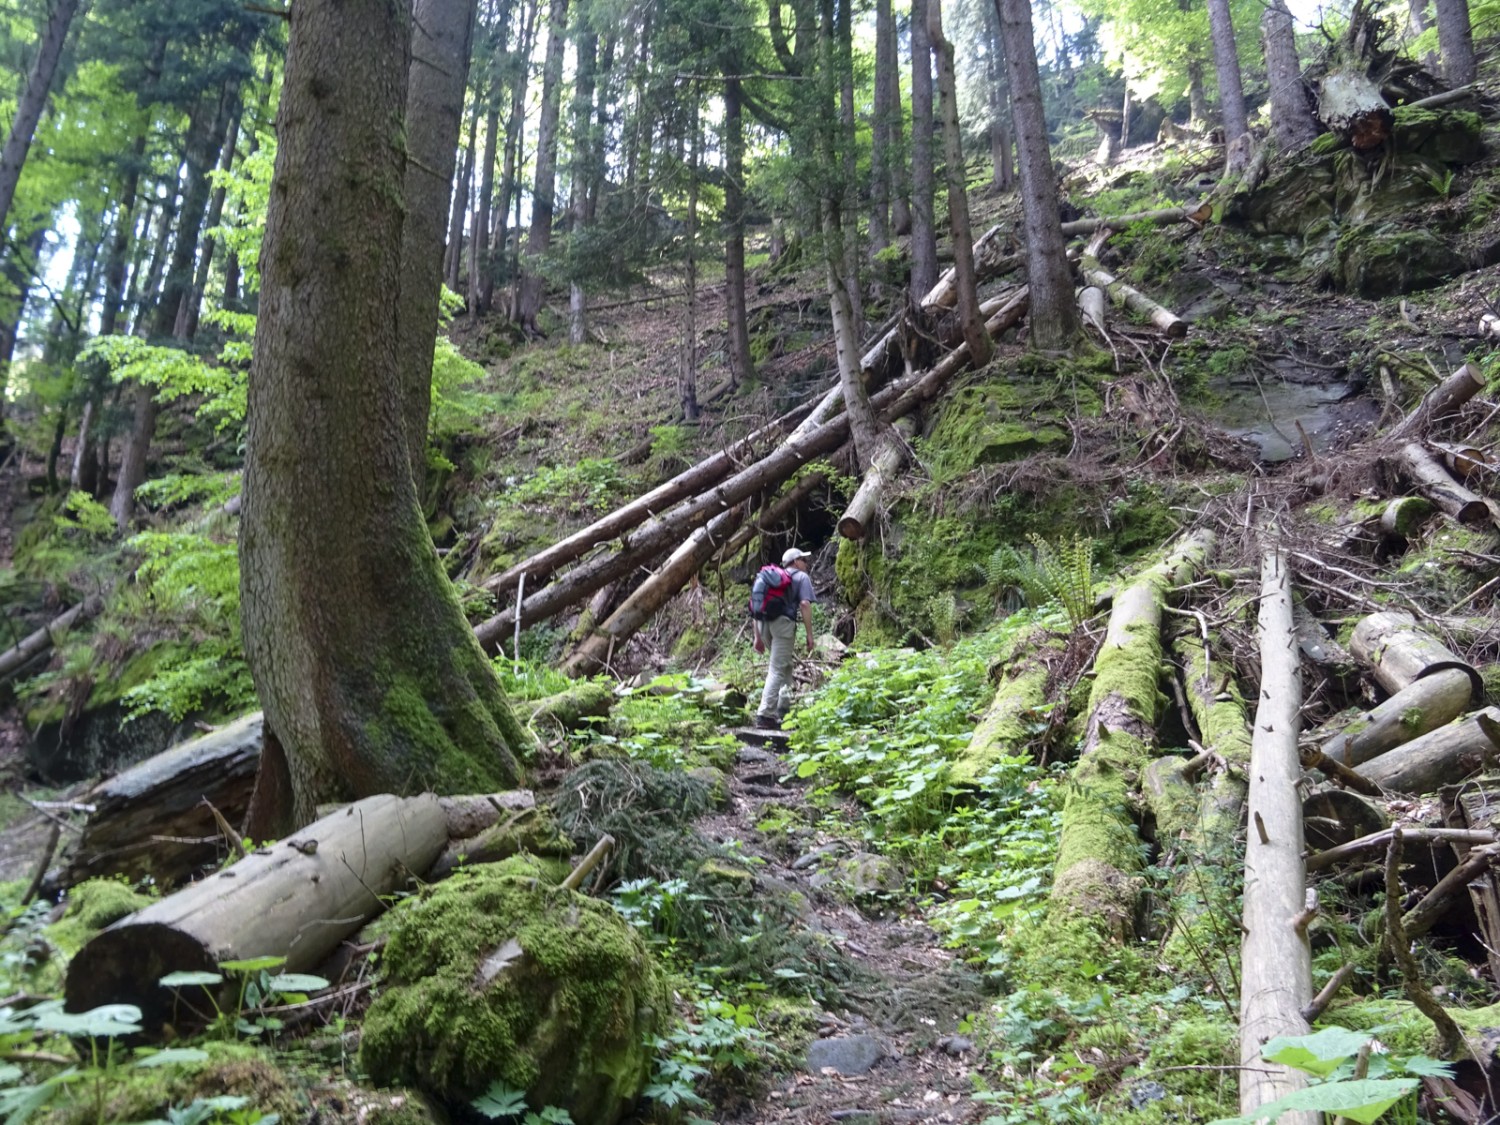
pixel 780 634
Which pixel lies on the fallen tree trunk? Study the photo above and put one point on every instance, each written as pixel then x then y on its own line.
pixel 1441 757
pixel 1378 841
pixel 1351 105
pixel 690 482
pixel 12 660
pixel 1164 215
pixel 1091 305
pixel 1420 707
pixel 853 524
pixel 1400 653
pixel 1099 852
pixel 1010 720
pixel 1438 486
pixel 1421 918
pixel 1441 401
pixel 1219 710
pixel 1133 299
pixel 891 403
pixel 298 899
pixel 569 709
pixel 598 648
pixel 772 516
pixel 1403 517
pixel 1275 960
pixel 151 820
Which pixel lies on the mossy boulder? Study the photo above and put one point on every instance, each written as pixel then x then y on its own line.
pixel 1448 136
pixel 1386 260
pixel 492 977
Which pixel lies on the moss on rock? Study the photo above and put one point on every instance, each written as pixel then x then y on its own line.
pixel 568 1018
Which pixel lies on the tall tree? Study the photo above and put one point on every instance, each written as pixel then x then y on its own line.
pixel 881 150
pixel 1227 67
pixel 32 101
pixel 1054 315
pixel 741 366
pixel 579 193
pixel 442 31
pixel 924 271
pixel 965 278
pixel 518 72
pixel 1455 41
pixel 369 674
pixel 481 289
pixel 544 187
pixel 1292 121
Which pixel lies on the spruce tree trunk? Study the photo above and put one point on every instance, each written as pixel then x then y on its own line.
pixel 924 269
pixel 687 385
pixel 18 273
pixel 453 253
pixel 1054 313
pixel 587 52
pixel 32 101
pixel 1292 122
pixel 1227 67
pixel 741 366
pixel 515 132
pixel 544 189
pixel 369 674
pixel 975 336
pixel 897 160
pixel 442 32
pixel 1197 97
pixel 849 204
pixel 191 308
pixel 881 151
pixel 1455 41
pixel 479 246
pixel 999 103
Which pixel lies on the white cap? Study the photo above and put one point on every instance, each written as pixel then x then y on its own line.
pixel 792 555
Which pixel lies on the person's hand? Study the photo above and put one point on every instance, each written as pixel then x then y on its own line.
pixel 809 646
pixel 760 645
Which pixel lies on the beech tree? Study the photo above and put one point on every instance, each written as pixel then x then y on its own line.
pixel 369 674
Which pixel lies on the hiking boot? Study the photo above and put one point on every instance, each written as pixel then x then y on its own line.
pixel 767 722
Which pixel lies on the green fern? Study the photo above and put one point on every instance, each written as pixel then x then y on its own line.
pixel 1061 573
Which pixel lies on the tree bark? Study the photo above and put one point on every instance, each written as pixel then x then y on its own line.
pixel 881 150
pixel 369 675
pixel 299 901
pixel 1275 961
pixel 544 188
pixel 1054 315
pixel 481 288
pixel 1227 67
pixel 1351 105
pixel 1400 654
pixel 887 462
pixel 442 33
pixel 191 308
pixel 1441 757
pixel 1455 41
pixel 514 133
pixel 687 382
pixel 897 160
pixel 1415 710
pixel 741 366
pixel 458 207
pixel 1435 483
pixel 958 201
pixel 1099 854
pixel 772 516
pixel 924 270
pixel 587 52
pixel 32 100
pixel 1292 122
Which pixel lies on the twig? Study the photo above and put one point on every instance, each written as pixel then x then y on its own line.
pixel 1319 1003
pixel 230 834
pixel 1315 759
pixel 589 862
pixel 1449 1036
pixel 43 862
pixel 53 817
pixel 1375 841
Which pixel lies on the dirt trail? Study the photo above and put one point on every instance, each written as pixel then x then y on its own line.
pixel 909 1008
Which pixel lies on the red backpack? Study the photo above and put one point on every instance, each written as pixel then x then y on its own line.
pixel 771 594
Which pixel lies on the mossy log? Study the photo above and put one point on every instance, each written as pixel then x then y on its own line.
pixel 1441 401
pixel 1404 517
pixel 1162 216
pixel 1351 105
pixel 152 819
pixel 1219 710
pixel 1400 653
pixel 569 709
pixel 36 644
pixel 1133 299
pixel 1009 721
pixel 854 523
pixel 1441 757
pixel 1099 854
pixel 1275 960
pixel 297 899
pixel 1438 485
pixel 1415 710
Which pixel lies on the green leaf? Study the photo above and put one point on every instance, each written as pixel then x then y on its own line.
pixel 189 977
pixel 171 1056
pixel 1317 1054
pixel 9 1073
pixel 501 1100
pixel 252 965
pixel 1424 1067
pixel 296 982
pixel 808 768
pixel 1362 1100
pixel 107 1020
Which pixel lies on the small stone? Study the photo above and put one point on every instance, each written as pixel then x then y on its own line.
pixel 849 1054
pixel 1144 1093
pixel 955 1045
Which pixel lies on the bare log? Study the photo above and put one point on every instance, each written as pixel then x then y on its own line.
pixel 1164 215
pixel 1439 487
pixel 298 899
pixel 1441 757
pixel 691 482
pixel 1427 913
pixel 1091 305
pixel 1400 653
pixel 1351 105
pixel 1447 97
pixel 886 463
pixel 1417 709
pixel 1442 400
pixel 150 820
pixel 1099 854
pixel 12 660
pixel 1463 461
pixel 1276 973
pixel 773 515
pixel 1377 841
pixel 596 650
pixel 1133 299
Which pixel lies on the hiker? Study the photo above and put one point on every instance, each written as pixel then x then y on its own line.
pixel 777 596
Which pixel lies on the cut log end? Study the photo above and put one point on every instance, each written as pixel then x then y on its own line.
pixel 123 965
pixel 851 528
